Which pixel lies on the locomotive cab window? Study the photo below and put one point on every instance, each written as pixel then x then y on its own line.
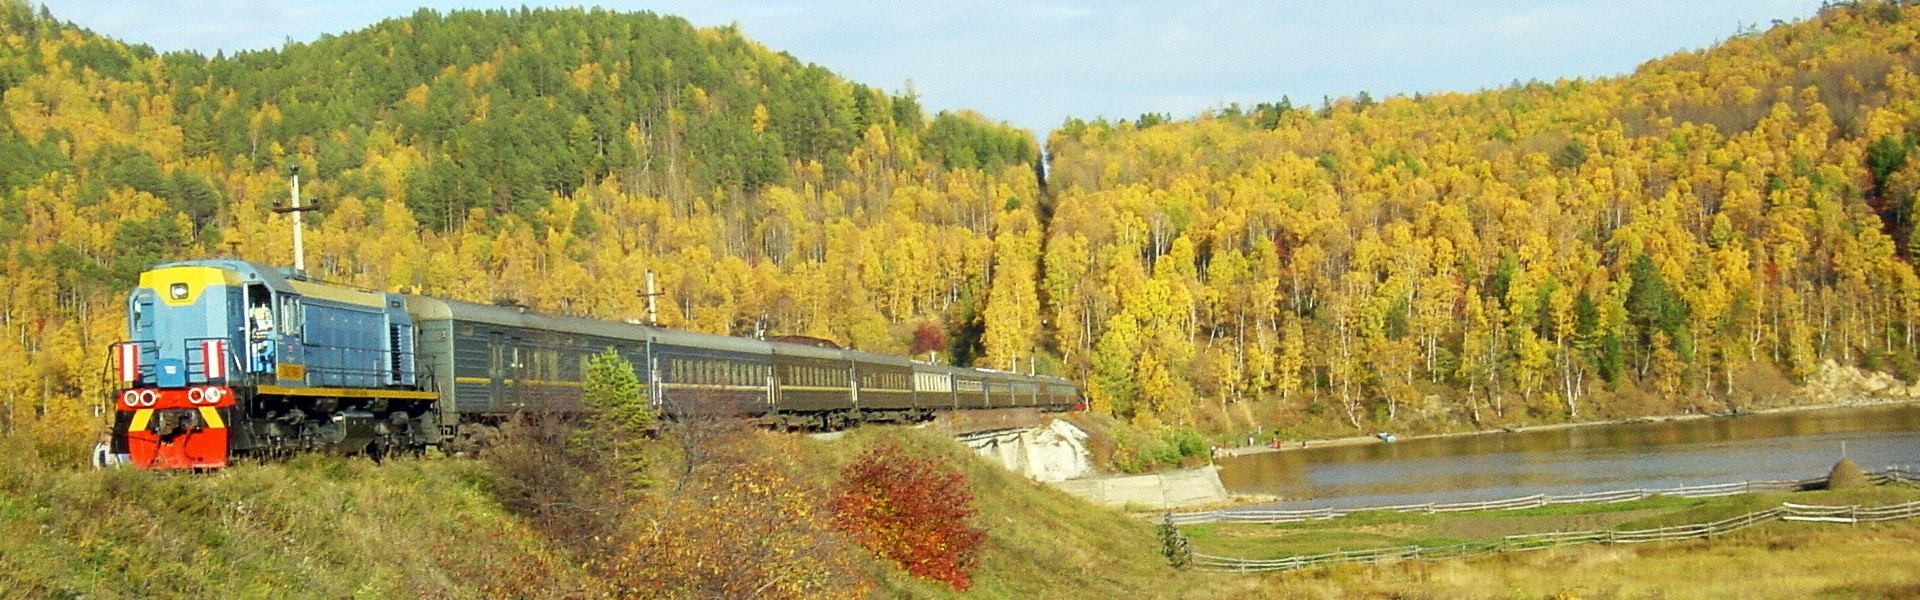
pixel 143 311
pixel 291 318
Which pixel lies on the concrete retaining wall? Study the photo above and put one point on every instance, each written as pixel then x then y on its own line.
pixel 1159 491
pixel 1057 454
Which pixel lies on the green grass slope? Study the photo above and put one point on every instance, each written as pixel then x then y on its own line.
pixel 326 527
pixel 315 527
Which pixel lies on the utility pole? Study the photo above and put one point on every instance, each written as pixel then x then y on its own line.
pixel 653 313
pixel 299 246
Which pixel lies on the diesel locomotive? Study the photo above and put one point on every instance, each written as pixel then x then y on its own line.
pixel 228 358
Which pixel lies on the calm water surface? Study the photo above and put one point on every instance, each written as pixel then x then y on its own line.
pixel 1794 445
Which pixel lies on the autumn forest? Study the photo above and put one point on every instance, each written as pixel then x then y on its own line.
pixel 1690 237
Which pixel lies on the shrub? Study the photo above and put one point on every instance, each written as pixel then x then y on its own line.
pixel 1137 451
pixel 1845 475
pixel 911 510
pixel 746 530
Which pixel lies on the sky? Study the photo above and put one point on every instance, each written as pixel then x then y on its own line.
pixel 1034 63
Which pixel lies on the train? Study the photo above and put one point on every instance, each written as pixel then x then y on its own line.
pixel 227 358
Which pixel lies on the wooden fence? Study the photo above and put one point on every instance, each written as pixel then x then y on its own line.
pixel 1540 541
pixel 1260 516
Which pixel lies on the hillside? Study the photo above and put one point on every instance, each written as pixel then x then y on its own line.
pixel 549 157
pixel 1694 236
pixel 327 527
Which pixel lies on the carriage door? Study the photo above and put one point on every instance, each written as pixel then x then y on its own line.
pixel 656 388
pixel 258 319
pixel 496 371
pixel 519 364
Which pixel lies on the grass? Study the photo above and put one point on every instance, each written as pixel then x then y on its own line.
pixel 326 527
pixel 1370 530
pixel 1040 541
pixel 317 526
pixel 1778 560
pixel 1774 560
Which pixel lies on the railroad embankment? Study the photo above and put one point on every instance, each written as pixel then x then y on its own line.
pixel 1053 452
pixel 329 527
pixel 1057 453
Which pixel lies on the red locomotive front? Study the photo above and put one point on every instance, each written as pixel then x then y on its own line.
pixel 174 427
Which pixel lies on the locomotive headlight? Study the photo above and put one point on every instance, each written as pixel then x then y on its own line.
pixel 178 291
pixel 148 397
pixel 194 395
pixel 131 398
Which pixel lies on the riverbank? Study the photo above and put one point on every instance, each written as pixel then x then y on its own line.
pixel 1356 440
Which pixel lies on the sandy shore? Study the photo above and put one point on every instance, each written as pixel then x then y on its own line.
pixel 1356 440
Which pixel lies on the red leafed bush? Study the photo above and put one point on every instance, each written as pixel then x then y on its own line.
pixel 928 336
pixel 912 510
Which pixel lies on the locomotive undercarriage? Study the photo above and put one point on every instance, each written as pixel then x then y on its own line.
pixel 282 425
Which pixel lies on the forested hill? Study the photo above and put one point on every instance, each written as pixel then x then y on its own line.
pixel 1675 239
pixel 549 157
pixel 1697 235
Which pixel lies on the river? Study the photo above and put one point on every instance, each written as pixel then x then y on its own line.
pixel 1782 445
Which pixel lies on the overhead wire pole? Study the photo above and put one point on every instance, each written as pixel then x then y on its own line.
pixel 653 313
pixel 294 207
